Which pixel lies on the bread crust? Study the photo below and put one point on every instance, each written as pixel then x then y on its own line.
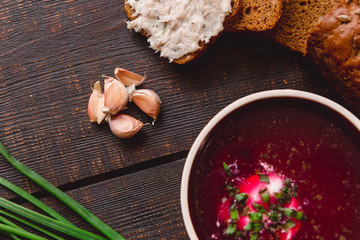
pixel 257 15
pixel 297 21
pixel 334 47
pixel 190 57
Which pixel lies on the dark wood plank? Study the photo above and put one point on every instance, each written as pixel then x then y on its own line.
pixel 142 205
pixel 51 52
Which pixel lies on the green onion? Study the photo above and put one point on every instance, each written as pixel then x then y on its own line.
pixel 70 202
pixel 284 195
pixel 255 216
pixel 49 222
pixel 258 207
pixel 257 227
pixel 254 236
pixel 288 225
pixel 234 214
pixel 265 197
pixel 288 212
pixel 12 236
pixel 264 178
pixel 248 227
pixel 20 232
pixel 263 190
pixel 32 225
pixel 241 197
pixel 231 229
pixel 299 216
pixel 275 216
pixel 287 182
pixel 33 200
pixel 9 223
pixel 226 169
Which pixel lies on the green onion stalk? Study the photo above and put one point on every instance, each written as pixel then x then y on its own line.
pixel 58 222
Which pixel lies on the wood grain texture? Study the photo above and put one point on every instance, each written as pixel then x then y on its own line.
pixel 142 205
pixel 51 53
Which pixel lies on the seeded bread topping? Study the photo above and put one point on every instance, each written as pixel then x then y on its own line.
pixel 334 47
pixel 176 27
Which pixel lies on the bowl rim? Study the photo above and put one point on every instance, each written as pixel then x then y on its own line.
pixel 229 109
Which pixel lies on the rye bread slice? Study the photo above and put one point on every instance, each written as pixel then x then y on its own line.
pixel 297 21
pixel 235 5
pixel 257 15
pixel 334 47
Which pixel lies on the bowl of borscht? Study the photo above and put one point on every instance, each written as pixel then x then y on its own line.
pixel 279 164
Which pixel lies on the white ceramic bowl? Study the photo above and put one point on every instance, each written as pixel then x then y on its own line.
pixel 229 109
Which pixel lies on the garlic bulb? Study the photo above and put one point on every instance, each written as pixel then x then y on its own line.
pixel 115 96
pixel 148 101
pixel 96 103
pixel 128 78
pixel 124 126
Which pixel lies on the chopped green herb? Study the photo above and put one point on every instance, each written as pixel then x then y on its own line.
pixel 264 178
pixel 284 195
pixel 229 187
pixel 260 208
pixel 299 216
pixel 287 182
pixel 289 224
pixel 271 229
pixel 275 216
pixel 248 227
pixel 255 216
pixel 288 212
pixel 254 236
pixel 227 169
pixel 233 191
pixel 234 214
pixel 231 229
pixel 241 197
pixel 263 190
pixel 294 191
pixel 257 227
pixel 265 197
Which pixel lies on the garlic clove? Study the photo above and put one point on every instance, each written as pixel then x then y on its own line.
pixel 148 101
pixel 115 96
pixel 96 103
pixel 128 78
pixel 124 126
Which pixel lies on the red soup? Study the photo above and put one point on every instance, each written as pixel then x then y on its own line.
pixel 278 169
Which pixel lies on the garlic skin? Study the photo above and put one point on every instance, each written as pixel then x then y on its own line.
pixel 128 78
pixel 115 96
pixel 148 101
pixel 96 103
pixel 124 126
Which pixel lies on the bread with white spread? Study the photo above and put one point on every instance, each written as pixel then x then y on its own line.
pixel 180 30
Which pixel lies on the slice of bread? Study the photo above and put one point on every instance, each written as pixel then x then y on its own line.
pixel 297 21
pixel 334 47
pixel 175 20
pixel 257 15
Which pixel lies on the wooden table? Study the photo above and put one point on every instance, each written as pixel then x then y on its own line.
pixel 51 53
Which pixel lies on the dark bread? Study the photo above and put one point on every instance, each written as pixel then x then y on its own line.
pixel 257 15
pixel 297 21
pixel 334 47
pixel 236 6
